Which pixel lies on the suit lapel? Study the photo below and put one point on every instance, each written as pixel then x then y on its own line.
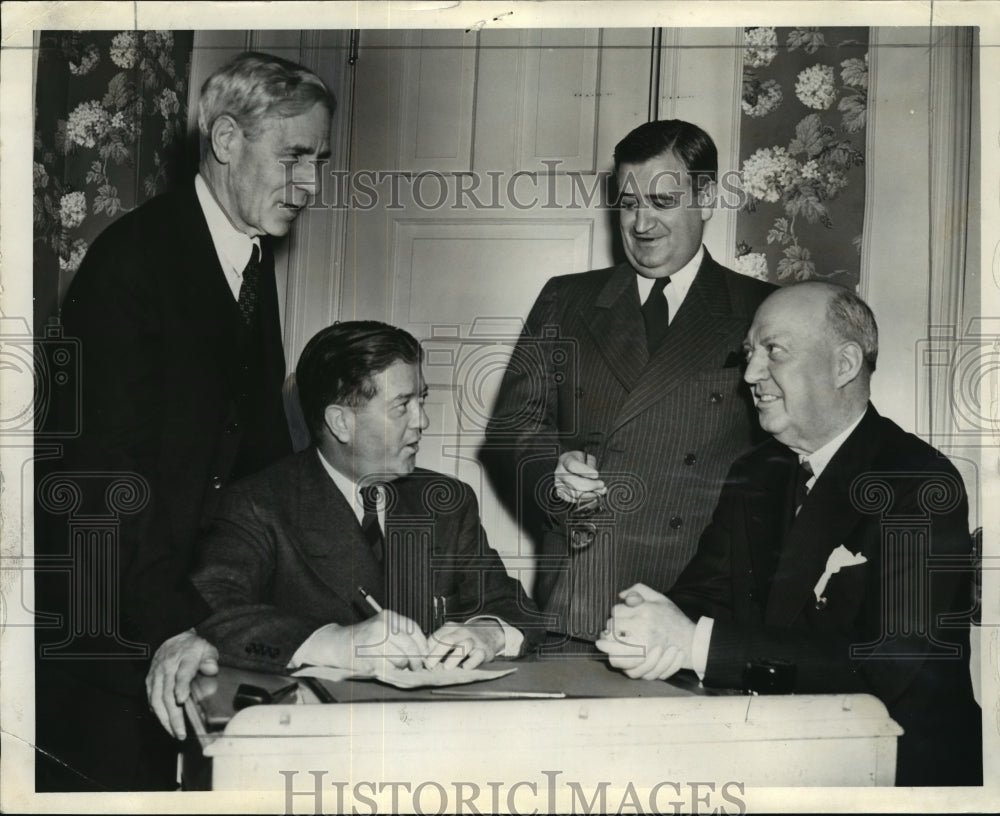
pixel 825 521
pixel 767 511
pixel 197 259
pixel 329 537
pixel 704 319
pixel 616 328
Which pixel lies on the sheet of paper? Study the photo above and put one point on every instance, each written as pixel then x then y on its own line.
pixel 324 673
pixel 407 678
pixel 410 678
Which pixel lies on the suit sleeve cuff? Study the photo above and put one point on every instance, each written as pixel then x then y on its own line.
pixel 699 645
pixel 303 656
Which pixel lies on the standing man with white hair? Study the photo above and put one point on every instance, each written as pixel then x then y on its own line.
pixel 175 307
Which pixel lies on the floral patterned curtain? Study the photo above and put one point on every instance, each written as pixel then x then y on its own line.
pixel 802 149
pixel 110 133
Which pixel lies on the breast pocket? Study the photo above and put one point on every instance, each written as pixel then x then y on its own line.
pixel 843 598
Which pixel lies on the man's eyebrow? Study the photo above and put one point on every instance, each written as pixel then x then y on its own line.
pixel 304 150
pixel 410 395
pixel 775 337
pixel 664 198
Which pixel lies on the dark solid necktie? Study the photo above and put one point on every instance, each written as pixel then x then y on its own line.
pixel 248 289
pixel 656 315
pixel 803 474
pixel 369 522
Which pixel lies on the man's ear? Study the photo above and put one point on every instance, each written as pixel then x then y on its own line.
pixel 226 137
pixel 849 361
pixel 340 422
pixel 706 196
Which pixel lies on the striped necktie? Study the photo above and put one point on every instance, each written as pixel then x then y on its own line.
pixel 803 474
pixel 369 522
pixel 247 300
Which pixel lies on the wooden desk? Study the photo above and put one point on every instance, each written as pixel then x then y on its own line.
pixel 608 729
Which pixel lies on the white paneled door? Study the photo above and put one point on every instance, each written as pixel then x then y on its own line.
pixel 479 167
pixel 479 162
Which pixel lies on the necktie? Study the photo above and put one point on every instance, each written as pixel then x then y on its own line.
pixel 803 474
pixel 248 289
pixel 656 315
pixel 369 522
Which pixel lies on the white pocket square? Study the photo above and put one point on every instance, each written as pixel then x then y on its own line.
pixel 839 558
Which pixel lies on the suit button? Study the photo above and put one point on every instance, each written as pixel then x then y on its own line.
pixel 675 522
pixel 715 397
pixel 821 603
pixel 232 427
pixel 217 482
pixel 690 458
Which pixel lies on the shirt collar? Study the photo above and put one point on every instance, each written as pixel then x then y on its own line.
pixel 820 458
pixel 233 247
pixel 680 281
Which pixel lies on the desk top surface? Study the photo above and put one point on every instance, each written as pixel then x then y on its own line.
pixel 573 677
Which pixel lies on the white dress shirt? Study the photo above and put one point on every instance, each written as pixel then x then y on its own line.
pixel 233 247
pixel 818 460
pixel 680 283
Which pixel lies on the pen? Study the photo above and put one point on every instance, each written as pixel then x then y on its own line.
pixel 500 695
pixel 370 600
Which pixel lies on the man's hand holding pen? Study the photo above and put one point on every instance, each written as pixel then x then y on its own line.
pixel 362 647
pixel 399 640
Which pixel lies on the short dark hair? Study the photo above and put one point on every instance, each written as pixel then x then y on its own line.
pixel 692 145
pixel 339 363
pixel 851 319
pixel 252 87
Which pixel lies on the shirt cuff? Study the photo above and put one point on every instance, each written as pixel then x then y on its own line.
pixel 300 658
pixel 513 638
pixel 699 645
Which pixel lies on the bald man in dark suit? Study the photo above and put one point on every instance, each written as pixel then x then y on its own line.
pixel 838 557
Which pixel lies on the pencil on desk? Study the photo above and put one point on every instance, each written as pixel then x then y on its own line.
pixel 370 600
pixel 500 695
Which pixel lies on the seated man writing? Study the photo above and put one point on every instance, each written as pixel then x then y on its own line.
pixel 286 555
pixel 837 559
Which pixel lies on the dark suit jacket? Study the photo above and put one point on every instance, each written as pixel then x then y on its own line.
pixel 896 626
pixel 671 426
pixel 286 555
pixel 177 395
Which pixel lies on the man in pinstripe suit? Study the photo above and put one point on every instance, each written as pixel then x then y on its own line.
pixel 621 408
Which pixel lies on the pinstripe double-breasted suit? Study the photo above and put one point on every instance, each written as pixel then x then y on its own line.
pixel 665 429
